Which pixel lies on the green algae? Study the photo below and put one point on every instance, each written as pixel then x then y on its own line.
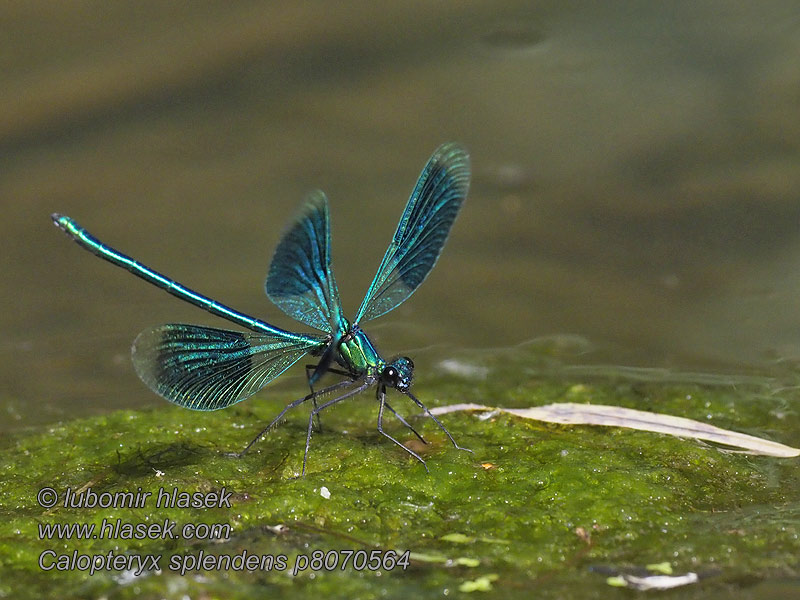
pixel 535 507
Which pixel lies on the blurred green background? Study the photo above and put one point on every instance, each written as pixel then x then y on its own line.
pixel 635 192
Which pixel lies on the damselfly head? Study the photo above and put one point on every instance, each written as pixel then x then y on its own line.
pixel 398 373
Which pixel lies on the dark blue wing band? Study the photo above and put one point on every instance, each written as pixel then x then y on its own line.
pixel 203 368
pixel 300 280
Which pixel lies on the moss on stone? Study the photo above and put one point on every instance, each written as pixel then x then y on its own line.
pixel 533 508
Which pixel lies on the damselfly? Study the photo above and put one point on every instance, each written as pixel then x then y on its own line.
pixel 204 368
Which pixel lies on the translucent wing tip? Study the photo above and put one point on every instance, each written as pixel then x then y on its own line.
pixel 316 198
pixel 452 148
pixel 454 157
pixel 451 158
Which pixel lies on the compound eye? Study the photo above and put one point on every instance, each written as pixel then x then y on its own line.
pixel 390 375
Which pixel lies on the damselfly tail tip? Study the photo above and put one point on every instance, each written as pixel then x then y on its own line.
pixel 64 223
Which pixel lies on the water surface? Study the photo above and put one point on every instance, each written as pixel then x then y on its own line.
pixel 635 176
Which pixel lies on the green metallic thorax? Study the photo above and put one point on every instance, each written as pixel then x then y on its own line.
pixel 357 354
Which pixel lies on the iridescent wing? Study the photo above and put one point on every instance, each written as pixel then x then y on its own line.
pixel 300 279
pixel 203 368
pixel 422 231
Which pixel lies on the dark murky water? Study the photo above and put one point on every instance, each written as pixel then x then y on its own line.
pixel 636 179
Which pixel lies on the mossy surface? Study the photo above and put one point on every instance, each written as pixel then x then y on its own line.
pixel 536 507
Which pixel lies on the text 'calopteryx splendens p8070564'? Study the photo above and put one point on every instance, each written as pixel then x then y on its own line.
pixel 203 368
